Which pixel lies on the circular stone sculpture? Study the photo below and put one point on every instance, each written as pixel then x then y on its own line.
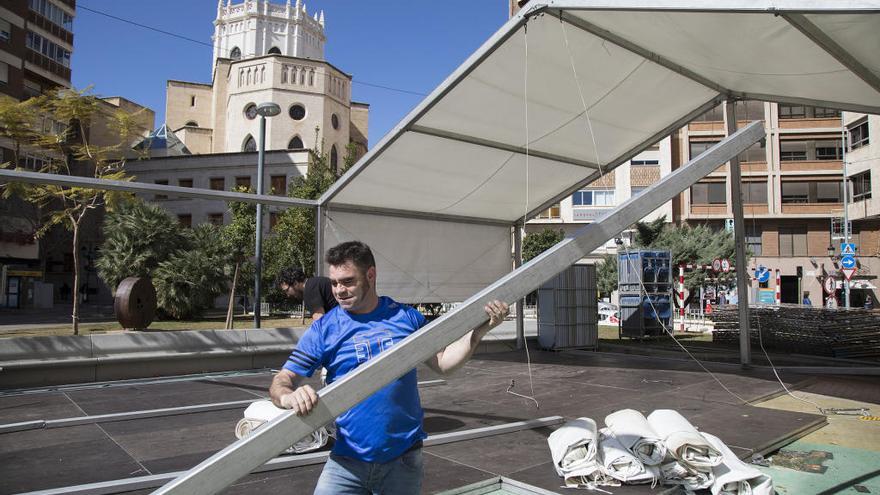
pixel 135 303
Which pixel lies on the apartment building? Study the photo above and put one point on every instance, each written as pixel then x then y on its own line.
pixel 793 195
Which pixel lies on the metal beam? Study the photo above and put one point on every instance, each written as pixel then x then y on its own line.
pixel 423 215
pixel 238 459
pixel 487 143
pixel 288 462
pixel 794 100
pixel 641 51
pixel 728 6
pixel 635 150
pixel 742 273
pixel 144 188
pixel 817 36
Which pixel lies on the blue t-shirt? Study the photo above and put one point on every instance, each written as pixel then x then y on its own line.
pixel 389 422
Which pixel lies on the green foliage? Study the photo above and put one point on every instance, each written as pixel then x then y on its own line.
pixel 190 279
pixel 606 274
pixel 699 244
pixel 138 236
pixel 648 232
pixel 538 242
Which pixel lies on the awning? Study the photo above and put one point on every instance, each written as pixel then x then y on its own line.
pixel 568 90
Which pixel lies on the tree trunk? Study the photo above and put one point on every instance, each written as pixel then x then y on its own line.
pixel 75 313
pixel 230 311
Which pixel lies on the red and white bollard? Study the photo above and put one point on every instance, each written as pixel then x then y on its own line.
pixel 681 296
pixel 778 288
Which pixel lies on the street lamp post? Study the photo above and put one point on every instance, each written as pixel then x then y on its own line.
pixel 263 110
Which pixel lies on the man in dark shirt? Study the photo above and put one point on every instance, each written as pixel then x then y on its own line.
pixel 315 292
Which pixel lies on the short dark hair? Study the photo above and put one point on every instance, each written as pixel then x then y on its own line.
pixel 355 251
pixel 291 276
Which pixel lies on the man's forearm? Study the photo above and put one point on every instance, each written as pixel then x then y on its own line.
pixel 458 352
pixel 282 384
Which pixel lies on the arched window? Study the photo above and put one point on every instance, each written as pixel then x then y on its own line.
pixel 295 144
pixel 334 159
pixel 274 51
pixel 334 121
pixel 235 53
pixel 191 123
pixel 249 144
pixel 250 111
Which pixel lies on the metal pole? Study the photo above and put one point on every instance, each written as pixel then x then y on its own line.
pixel 319 240
pixel 843 144
pixel 521 303
pixel 258 263
pixel 238 459
pixel 739 232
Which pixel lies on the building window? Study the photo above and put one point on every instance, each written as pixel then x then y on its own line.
pixel 593 197
pixel 243 182
pixel 215 218
pixel 709 193
pixel 792 111
pixel 4 73
pixel 825 149
pixel 334 159
pixel 53 13
pixel 755 153
pixel 800 192
pixel 235 53
pixel 48 49
pixel 754 193
pixel 829 150
pixel 185 182
pixel 250 111
pixel 826 113
pixel 858 136
pixel 192 101
pixel 714 115
pixel 698 147
pixel 279 185
pixel 792 151
pixel 274 51
pixel 749 110
pixel 217 183
pixel 185 220
pixel 861 186
pixel 793 241
pixel 249 144
pixel 550 213
pixel 161 182
pixel 635 191
pixel 644 163
pixel 753 239
pixel 295 144
pixel 334 121
pixel 5 30
pixel 297 112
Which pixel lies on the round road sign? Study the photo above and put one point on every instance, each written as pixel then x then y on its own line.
pixel 830 285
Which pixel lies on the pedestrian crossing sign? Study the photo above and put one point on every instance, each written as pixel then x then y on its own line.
pixel 848 248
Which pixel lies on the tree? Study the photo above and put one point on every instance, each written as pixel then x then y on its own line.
pixel 138 236
pixel 238 239
pixel 606 274
pixel 58 129
pixel 538 242
pixel 647 232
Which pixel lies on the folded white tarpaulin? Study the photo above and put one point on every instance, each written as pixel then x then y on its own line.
pixel 734 477
pixel 683 440
pixel 573 447
pixel 676 473
pixel 632 430
pixel 263 411
pixel 619 463
pixel 506 135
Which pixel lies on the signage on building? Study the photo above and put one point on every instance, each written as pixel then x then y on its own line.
pixel 766 296
pixel 25 273
pixel 589 214
pixel 830 285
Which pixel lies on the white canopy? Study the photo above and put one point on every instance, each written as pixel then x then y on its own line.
pixel 567 90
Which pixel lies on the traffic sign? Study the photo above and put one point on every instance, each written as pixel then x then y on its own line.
pixel 716 265
pixel 762 274
pixel 725 265
pixel 830 285
pixel 848 273
pixel 848 261
pixel 848 248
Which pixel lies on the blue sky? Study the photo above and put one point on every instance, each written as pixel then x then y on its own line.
pixel 411 45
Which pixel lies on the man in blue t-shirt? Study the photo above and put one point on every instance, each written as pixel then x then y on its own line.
pixel 378 442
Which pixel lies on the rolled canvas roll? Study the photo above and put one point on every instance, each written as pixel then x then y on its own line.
pixel 621 464
pixel 573 448
pixel 633 431
pixel 683 440
pixel 735 477
pixel 261 412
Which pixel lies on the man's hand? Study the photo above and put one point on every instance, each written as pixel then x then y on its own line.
pixel 301 401
pixel 497 311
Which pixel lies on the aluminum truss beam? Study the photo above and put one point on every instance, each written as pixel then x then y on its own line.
pixel 144 188
pixel 223 468
pixel 287 462
pixel 453 136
